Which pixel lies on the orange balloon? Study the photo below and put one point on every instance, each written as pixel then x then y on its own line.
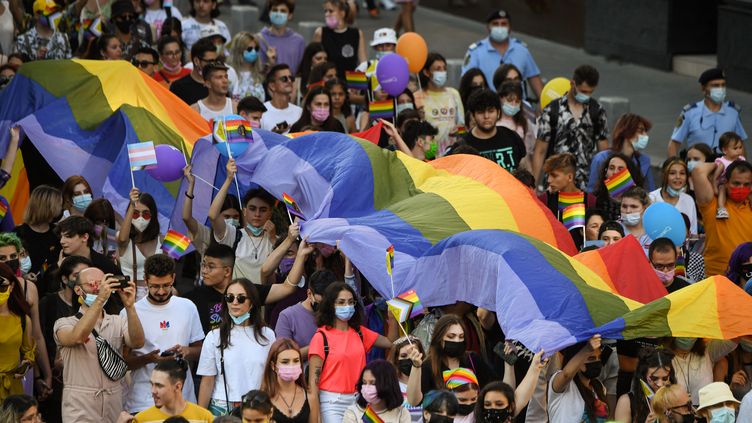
pixel 413 48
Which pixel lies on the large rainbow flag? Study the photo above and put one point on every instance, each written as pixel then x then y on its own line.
pixel 80 115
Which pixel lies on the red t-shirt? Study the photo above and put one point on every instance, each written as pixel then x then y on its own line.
pixel 346 358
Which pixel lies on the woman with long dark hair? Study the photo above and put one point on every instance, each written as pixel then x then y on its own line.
pixel 337 352
pixel 317 113
pixel 614 163
pixel 378 390
pixel 472 81
pixel 233 356
pixel 656 371
pixel 285 383
pixel 313 54
pixel 15 334
pixel 442 105
pixel 138 238
pixel 341 110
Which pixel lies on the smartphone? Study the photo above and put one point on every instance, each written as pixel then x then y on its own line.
pixel 23 368
pixel 281 126
pixel 167 353
pixel 124 280
pixel 510 358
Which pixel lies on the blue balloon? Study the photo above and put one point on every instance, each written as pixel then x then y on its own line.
pixel 662 220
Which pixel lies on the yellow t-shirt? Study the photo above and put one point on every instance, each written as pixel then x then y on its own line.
pixel 723 236
pixel 193 413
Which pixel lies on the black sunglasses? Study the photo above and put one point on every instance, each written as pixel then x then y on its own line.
pixel 285 78
pixel 142 63
pixel 252 49
pixel 230 298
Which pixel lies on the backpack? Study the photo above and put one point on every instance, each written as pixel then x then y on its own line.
pixel 554 111
pixel 326 344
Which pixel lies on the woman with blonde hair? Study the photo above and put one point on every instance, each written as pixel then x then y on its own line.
pixel 45 207
pixel 244 58
pixel 671 404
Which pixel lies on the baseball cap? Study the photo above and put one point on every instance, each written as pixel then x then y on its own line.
pixel 45 6
pixel 384 36
pixel 498 14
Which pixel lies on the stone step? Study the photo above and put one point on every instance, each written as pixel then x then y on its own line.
pixel 693 65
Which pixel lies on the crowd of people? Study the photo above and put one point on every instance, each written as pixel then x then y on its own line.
pixel 258 325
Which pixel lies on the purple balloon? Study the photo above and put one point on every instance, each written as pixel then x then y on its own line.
pixel 393 74
pixel 170 164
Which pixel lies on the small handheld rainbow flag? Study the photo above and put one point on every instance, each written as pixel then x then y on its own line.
pixel 232 129
pixel 356 80
pixel 619 183
pixel 647 390
pixel 142 154
pixel 370 416
pixel 390 260
pixel 573 216
pixel 681 267
pixel 412 297
pixel 400 309
pixel 3 210
pixel 381 109
pixel 461 131
pixel 292 206
pixel 566 199
pixel 175 244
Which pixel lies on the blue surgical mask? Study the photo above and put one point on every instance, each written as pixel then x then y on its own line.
pixel 238 320
pixel 722 415
pixel 641 142
pixel 674 193
pixel 404 106
pixel 89 299
pixel 439 78
pixel 232 222
pixel 718 94
pixel 499 33
pixel 254 230
pixel 581 98
pixel 25 264
pixel 278 18
pixel 380 54
pixel 691 164
pixel 250 56
pixel 685 344
pixel 81 202
pixel 344 312
pixel 509 109
pixel 631 219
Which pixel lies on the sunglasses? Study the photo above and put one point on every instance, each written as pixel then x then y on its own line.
pixel 142 63
pixel 146 214
pixel 230 298
pixel 285 78
pixel 249 49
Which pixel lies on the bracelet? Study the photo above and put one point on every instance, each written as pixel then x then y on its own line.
pixel 189 196
pixel 287 281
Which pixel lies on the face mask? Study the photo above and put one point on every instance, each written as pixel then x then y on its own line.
pixel 172 69
pixel 140 224
pixel 687 418
pixel 404 106
pixel 439 78
pixel 81 202
pixel 314 305
pixel 238 320
pixel 631 219
pixel 738 194
pixel 405 366
pixel 581 98
pixel 465 409
pixel 285 265
pixel 665 277
pixel 254 230
pixel 332 22
pixel 124 26
pixel 250 56
pixel 641 142
pixel 592 370
pixel 454 349
pixel 232 222
pixel 499 33
pixel 691 164
pixel 673 193
pixel 718 94
pixel 431 152
pixel 685 344
pixel 255 124
pixel 344 313
pixel 493 415
pixel 320 114
pixel 4 296
pixel 510 110
pixel 369 393
pixel 723 415
pixel 289 373
pixel 278 18
pixel 25 264
pixel 380 54
pixel 89 299
pixel 438 418
pixel 13 264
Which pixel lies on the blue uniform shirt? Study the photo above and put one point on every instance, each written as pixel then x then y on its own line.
pixel 697 124
pixel 484 56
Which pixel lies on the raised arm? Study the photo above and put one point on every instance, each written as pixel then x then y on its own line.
pixel 414 393
pixel 134 338
pixel 525 390
pixel 703 187
pixel 218 223
pixel 125 228
pixel 79 333
pixel 562 379
pixel 272 260
pixel 188 219
pixel 279 291
pixel 10 154
pixel 394 134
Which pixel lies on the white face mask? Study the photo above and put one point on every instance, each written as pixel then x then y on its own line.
pixel 140 223
pixel 439 78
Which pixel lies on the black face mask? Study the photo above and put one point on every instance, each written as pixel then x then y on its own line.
pixel 124 26
pixel 405 366
pixel 687 418
pixel 592 370
pixel 493 415
pixel 465 409
pixel 454 349
pixel 438 418
pixel 13 264
pixel 315 306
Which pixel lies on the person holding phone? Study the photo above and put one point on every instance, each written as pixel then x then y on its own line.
pixel 15 325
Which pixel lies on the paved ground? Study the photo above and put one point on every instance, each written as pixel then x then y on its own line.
pixel 655 94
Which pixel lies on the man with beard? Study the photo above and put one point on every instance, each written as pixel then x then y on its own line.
pixel 171 328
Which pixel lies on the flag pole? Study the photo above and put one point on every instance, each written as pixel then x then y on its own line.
pixel 229 154
pixel 405 332
pixel 204 181
pixel 289 215
pixel 133 180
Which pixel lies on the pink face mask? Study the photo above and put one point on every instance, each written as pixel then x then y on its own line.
pixel 255 124
pixel 369 393
pixel 289 373
pixel 332 22
pixel 666 277
pixel 320 114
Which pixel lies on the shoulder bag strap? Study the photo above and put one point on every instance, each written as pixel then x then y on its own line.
pixel 224 378
pixel 135 263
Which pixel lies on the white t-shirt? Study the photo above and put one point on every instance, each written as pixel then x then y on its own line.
pixel 567 406
pixel 693 371
pixel 156 17
pixel 7 29
pixel 165 326
pixel 685 205
pixel 244 361
pixel 272 116
pixel 192 30
pixel 250 254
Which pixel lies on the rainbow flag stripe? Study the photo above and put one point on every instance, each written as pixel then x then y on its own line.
pixel 3 210
pixel 370 416
pixel 292 206
pixel 412 297
pixel 390 259
pixel 681 267
pixel 619 183
pixel 175 244
pixel 457 377
pixel 573 216
pixel 356 80
pixel 400 309
pixel 567 199
pixel 381 109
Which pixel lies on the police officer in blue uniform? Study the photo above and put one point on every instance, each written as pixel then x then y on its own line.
pixel 499 48
pixel 706 120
